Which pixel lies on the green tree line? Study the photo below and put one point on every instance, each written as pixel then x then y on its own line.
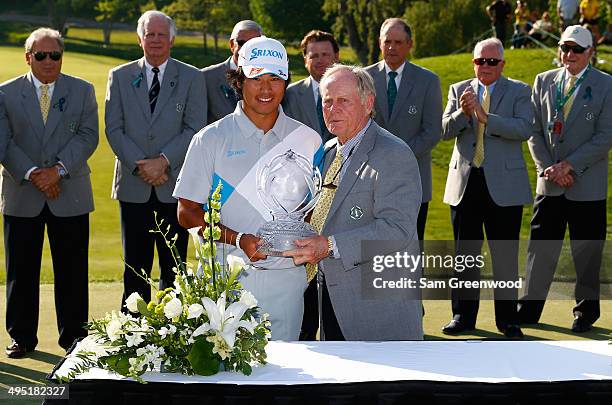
pixel 439 26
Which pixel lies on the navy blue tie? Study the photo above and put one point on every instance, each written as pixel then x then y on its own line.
pixel 154 90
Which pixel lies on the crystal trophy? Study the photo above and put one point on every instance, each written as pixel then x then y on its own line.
pixel 289 186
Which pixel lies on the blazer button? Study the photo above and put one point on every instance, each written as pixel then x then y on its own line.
pixel 474 144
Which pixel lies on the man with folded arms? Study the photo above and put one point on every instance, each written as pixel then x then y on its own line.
pixel 408 102
pixel 51 120
pixel 154 106
pixel 489 117
pixel 571 137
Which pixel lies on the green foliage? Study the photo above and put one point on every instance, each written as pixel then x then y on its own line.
pixel 208 16
pixel 441 26
pixel 359 21
pixel 288 20
pixel 202 359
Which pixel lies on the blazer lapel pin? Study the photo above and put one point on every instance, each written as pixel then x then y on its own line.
pixel 227 91
pixel 60 104
pixel 138 80
pixel 356 212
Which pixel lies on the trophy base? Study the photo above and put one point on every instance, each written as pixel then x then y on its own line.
pixel 279 235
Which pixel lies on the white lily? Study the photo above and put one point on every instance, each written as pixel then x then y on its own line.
pixel 194 311
pixel 224 321
pixel 235 265
pixel 197 239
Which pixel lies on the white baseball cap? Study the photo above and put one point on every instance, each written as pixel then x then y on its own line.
pixel 577 34
pixel 263 55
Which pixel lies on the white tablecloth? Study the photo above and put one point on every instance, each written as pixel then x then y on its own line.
pixel 457 361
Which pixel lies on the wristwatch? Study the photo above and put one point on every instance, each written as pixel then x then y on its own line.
pixel 330 247
pixel 61 170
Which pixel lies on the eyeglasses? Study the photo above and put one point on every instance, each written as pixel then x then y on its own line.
pixel 331 185
pixel 488 61
pixel 40 56
pixel 241 42
pixel 575 48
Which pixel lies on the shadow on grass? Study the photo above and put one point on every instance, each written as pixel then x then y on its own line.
pixel 595 334
pixel 480 334
pixel 11 374
pixel 46 357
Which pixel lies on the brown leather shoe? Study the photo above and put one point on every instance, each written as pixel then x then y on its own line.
pixel 17 350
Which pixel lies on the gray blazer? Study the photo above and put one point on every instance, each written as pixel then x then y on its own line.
pixel 586 137
pixel 222 99
pixel 4 128
pixel 70 136
pixel 508 126
pixel 417 113
pixel 299 104
pixel 383 180
pixel 134 134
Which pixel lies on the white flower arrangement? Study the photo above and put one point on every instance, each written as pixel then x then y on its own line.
pixel 205 323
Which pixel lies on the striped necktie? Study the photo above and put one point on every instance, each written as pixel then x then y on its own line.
pixel 154 90
pixel 479 151
pixel 319 214
pixel 45 102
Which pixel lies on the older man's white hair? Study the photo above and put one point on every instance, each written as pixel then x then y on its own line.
pixel 246 25
pixel 43 33
pixel 365 83
pixel 148 15
pixel 489 42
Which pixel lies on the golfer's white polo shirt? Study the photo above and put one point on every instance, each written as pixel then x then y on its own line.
pixel 232 150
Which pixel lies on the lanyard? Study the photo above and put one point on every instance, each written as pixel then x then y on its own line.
pixel 561 99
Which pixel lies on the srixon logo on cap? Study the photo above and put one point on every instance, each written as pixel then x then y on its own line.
pixel 257 53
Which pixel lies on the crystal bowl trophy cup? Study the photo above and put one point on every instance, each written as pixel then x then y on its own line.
pixel 289 186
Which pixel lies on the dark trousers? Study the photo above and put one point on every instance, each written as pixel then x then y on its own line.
pixel 23 243
pixel 500 31
pixel 137 219
pixel 587 229
pixel 330 325
pixel 421 220
pixel 502 226
pixel 310 320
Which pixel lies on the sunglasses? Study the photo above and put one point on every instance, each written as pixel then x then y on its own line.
pixel 575 48
pixel 488 61
pixel 40 56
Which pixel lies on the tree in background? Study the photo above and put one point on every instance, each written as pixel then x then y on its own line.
pixel 445 26
pixel 359 22
pixel 59 10
pixel 113 11
pixel 208 16
pixel 288 20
